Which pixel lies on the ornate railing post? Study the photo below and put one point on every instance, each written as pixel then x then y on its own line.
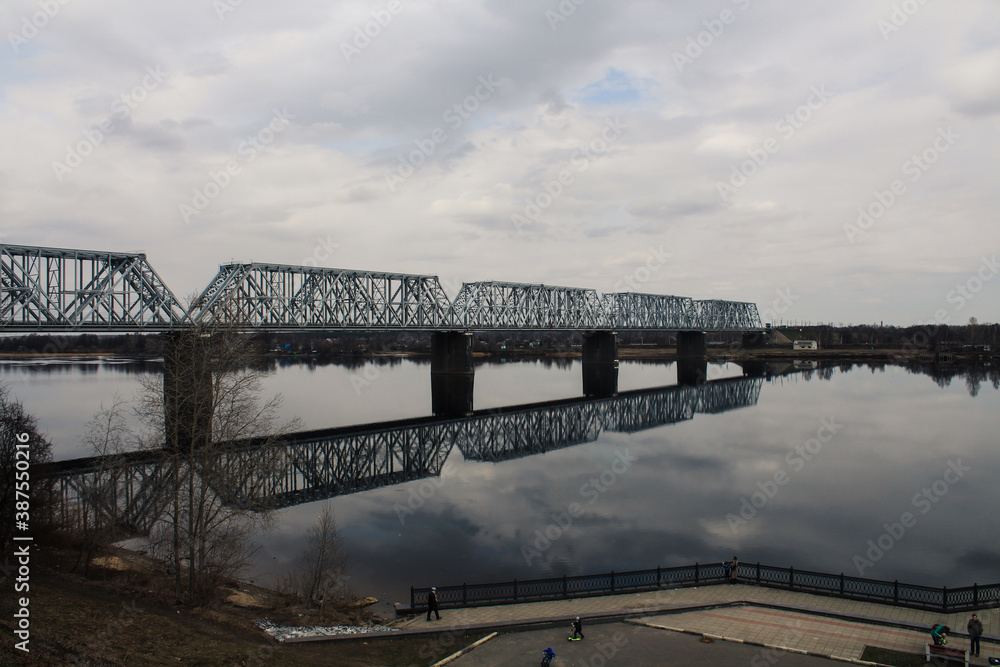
pixel 565 589
pixel 657 576
pixel 612 581
pixel 975 595
pixel 944 599
pixel 895 592
pixel 413 599
pixel 465 594
pixel 515 590
pixel 758 573
pixel 696 573
pixel 791 578
pixel 841 583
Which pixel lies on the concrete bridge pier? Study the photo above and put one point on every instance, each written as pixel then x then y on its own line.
pixel 451 394
pixel 692 345
pixel 451 353
pixel 600 347
pixel 600 364
pixel 600 380
pixel 691 372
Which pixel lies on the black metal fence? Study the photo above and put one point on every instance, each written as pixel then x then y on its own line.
pixel 558 588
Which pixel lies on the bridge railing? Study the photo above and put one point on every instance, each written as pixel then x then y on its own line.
pixel 944 600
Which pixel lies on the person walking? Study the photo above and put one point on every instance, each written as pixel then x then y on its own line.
pixel 975 627
pixel 577 630
pixel 432 604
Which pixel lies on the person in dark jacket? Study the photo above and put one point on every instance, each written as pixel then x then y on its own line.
pixel 577 629
pixel 975 627
pixel 432 604
pixel 938 634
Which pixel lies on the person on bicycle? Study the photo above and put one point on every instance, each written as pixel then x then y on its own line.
pixel 939 634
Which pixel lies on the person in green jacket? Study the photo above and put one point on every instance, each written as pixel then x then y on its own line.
pixel 938 633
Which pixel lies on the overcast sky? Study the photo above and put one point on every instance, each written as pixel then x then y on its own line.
pixel 714 149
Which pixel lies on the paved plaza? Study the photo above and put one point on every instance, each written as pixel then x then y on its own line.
pixel 744 622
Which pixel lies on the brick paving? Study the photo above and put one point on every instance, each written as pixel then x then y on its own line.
pixel 815 624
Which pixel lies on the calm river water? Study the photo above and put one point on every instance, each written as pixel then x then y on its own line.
pixel 883 472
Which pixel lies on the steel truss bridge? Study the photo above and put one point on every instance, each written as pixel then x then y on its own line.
pixel 55 289
pixel 130 491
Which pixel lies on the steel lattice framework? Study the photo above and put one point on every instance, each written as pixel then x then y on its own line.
pixel 491 305
pixel 279 297
pixel 630 310
pixel 55 289
pixel 716 315
pixel 129 491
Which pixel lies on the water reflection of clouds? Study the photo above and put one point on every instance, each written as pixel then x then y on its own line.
pixel 899 431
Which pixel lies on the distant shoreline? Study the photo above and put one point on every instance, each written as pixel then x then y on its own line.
pixel 625 353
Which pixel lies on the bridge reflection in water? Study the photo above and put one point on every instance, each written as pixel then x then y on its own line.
pixel 129 492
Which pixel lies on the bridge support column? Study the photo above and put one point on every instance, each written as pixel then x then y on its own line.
pixel 600 380
pixel 451 394
pixel 451 353
pixel 600 347
pixel 691 372
pixel 600 364
pixel 754 368
pixel 692 345
pixel 187 390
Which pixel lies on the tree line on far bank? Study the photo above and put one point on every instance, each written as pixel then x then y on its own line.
pixel 344 344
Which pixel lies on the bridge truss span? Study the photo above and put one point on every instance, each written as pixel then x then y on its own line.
pixel 57 289
pixel 300 298
pixel 631 310
pixel 718 315
pixel 493 306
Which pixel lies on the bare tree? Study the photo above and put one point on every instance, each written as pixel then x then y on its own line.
pixel 96 519
pixel 218 448
pixel 324 559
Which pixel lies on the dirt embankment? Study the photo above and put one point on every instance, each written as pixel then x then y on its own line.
pixel 124 613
